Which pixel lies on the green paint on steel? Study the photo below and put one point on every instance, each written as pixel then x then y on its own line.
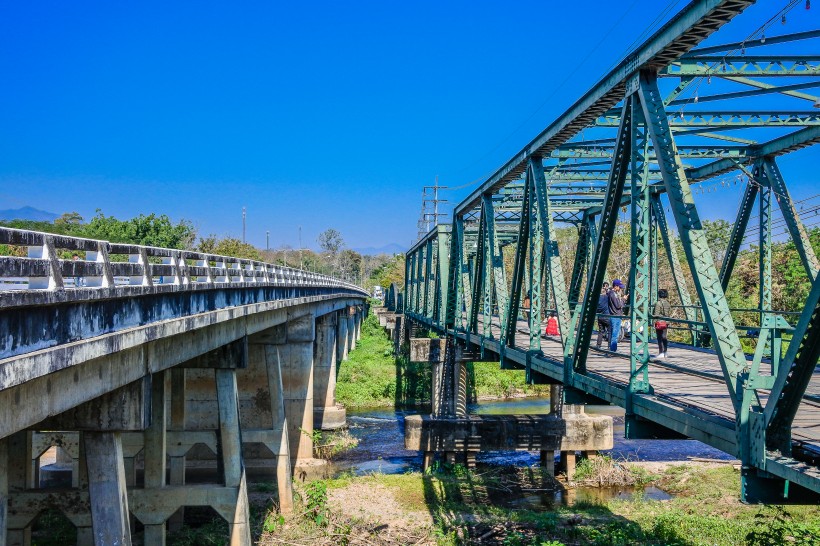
pixel 707 281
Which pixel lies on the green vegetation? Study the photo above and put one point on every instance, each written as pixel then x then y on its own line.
pixel 459 506
pixel 373 377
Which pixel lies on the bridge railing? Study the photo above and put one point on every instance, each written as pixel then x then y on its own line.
pixel 102 264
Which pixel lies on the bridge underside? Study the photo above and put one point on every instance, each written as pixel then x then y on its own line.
pixel 626 162
pixel 158 384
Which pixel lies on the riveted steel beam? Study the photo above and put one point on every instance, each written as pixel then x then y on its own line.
pixel 693 237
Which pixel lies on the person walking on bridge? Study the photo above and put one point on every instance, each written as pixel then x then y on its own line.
pixel 603 321
pixel 616 311
pixel 661 311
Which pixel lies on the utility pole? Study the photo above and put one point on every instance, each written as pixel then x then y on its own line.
pixel 428 220
pixel 267 240
pixel 301 265
pixel 244 214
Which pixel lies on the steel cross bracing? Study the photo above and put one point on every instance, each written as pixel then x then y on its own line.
pixel 640 145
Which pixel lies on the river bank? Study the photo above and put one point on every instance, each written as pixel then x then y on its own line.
pixel 372 377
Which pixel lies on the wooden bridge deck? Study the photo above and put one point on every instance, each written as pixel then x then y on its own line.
pixel 690 377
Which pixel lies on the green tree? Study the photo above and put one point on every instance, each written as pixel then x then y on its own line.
pixel 150 230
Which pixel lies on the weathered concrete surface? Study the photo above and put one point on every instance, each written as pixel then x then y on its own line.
pixel 424 349
pixel 342 339
pixel 327 415
pixel 48 382
pixel 576 431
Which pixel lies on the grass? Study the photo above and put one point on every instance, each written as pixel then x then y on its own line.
pixel 464 505
pixel 374 377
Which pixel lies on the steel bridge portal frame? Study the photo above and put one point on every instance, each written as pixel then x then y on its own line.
pixel 457 282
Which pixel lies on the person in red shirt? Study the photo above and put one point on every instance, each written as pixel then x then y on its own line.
pixel 552 324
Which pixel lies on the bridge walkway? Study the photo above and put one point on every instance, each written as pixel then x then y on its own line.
pixel 690 379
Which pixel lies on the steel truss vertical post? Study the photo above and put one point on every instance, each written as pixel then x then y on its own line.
pixel 639 276
pixel 466 278
pixel 443 276
pixel 653 257
pixel 429 280
pixel 698 255
pixel 555 272
pixel 674 262
pixel 478 276
pixel 521 245
pixel 744 211
pixel 461 276
pixel 579 345
pixel 496 262
pixel 797 230
pixel 581 259
pixel 535 261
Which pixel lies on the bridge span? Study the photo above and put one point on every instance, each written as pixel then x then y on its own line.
pixel 647 142
pixel 133 358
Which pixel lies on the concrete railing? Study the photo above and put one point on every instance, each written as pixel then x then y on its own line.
pixel 43 269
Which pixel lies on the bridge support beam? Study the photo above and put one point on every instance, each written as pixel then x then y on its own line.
pixel 326 414
pixel 342 339
pixel 293 343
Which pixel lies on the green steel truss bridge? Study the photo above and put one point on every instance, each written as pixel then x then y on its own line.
pixel 671 121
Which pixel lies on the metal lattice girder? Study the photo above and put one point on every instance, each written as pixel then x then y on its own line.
pixel 444 242
pixel 478 277
pixel 463 288
pixel 738 231
pixel 639 277
pixel 555 271
pixel 674 262
pixel 497 263
pixel 705 276
pixel 796 228
pixel 609 218
pixel 730 119
pixel 583 151
pixel 536 257
pixel 794 374
pixel 749 65
pixel 750 44
pixel 519 267
pixel 581 259
pixel 698 20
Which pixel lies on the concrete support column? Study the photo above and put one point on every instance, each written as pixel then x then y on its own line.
pixel 154 453
pixel 18 461
pixel 342 338
pixel 351 329
pixel 177 463
pixel 294 341
pixel 326 414
pixel 4 490
pixel 360 316
pixel 106 488
pixel 230 438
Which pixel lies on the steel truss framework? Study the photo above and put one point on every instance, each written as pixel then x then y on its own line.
pixel 578 172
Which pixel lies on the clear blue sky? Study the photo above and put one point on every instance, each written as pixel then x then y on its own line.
pixel 320 114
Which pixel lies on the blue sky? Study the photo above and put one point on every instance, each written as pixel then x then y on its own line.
pixel 324 114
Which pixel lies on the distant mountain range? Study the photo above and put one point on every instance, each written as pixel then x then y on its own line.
pixel 392 248
pixel 28 213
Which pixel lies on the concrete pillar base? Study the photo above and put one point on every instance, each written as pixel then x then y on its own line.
pixel 332 418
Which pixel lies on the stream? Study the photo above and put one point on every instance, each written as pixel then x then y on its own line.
pixel 380 432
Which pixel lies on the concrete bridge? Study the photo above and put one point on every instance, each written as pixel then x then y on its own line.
pixel 151 368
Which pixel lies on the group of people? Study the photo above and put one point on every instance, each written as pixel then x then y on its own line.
pixel 612 304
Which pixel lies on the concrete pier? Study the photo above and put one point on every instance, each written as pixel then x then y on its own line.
pixel 327 415
pixel 466 436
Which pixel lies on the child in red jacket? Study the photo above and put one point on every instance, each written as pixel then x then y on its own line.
pixel 552 325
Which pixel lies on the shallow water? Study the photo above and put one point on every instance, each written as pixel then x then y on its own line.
pixel 381 449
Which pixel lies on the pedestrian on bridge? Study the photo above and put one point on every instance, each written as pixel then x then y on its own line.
pixel 603 310
pixel 661 311
pixel 616 311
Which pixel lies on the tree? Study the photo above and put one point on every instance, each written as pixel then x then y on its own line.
pixel 69 219
pixel 228 246
pixel 151 230
pixel 331 241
